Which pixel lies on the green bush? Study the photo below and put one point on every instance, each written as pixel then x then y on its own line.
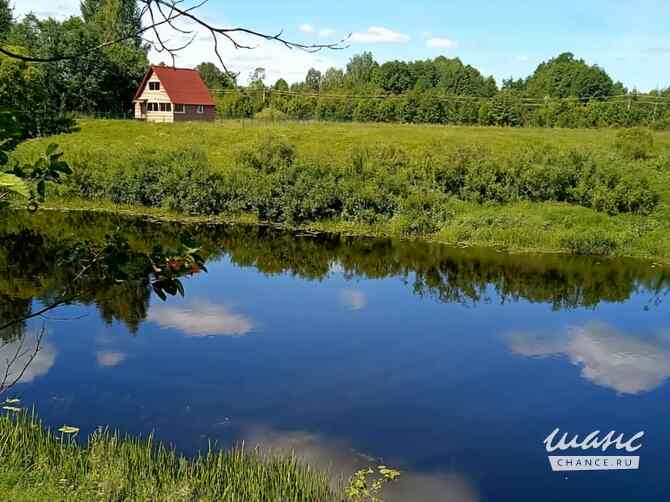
pixel 635 144
pixel 589 243
pixel 268 154
pixel 271 115
pixel 379 184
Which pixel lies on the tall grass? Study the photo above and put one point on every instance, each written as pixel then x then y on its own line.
pixel 37 464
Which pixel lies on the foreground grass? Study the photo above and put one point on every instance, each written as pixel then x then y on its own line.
pixel 40 465
pixel 107 150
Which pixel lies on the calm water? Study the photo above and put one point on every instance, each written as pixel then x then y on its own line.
pixel 451 364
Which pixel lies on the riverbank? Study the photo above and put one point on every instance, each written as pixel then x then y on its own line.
pixel 518 229
pixel 39 465
pixel 515 190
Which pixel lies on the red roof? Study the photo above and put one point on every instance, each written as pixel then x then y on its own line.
pixel 183 86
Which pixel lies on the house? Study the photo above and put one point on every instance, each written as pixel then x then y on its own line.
pixel 168 94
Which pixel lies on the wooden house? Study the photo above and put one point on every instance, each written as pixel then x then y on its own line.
pixel 168 94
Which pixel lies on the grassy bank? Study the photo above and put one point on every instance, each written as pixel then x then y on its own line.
pixel 40 465
pixel 574 191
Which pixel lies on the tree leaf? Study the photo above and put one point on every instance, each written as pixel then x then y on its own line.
pixel 51 149
pixel 14 184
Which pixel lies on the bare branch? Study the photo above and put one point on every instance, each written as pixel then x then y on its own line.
pixel 165 12
pixel 7 381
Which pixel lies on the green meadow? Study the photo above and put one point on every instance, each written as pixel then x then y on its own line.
pixel 591 191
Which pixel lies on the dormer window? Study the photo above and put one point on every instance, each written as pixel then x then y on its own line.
pixel 154 86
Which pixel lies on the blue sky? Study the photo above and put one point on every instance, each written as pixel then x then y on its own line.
pixel 630 39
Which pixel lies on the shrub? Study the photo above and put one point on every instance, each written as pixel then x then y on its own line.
pixel 271 115
pixel 589 243
pixel 635 144
pixel 268 154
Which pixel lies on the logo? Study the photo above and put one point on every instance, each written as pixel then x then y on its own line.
pixel 593 441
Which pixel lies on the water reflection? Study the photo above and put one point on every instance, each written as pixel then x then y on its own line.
pixel 625 363
pixel 340 459
pixel 109 358
pixel 30 244
pixel 20 360
pixel 353 299
pixel 201 318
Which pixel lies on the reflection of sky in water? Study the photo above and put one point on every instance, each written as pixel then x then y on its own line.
pixel 15 358
pixel 624 363
pixel 430 387
pixel 200 318
pixel 340 460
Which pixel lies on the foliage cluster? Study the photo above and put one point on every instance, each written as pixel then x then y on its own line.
pixel 378 184
pixel 90 81
pixel 562 92
pixel 507 108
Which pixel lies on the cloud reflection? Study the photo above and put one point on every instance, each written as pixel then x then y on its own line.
pixel 353 299
pixel 341 461
pixel 109 358
pixel 39 366
pixel 201 318
pixel 628 364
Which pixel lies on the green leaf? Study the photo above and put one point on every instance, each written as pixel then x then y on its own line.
pixel 14 184
pixel 11 408
pixel 62 167
pixel 3 158
pixel 12 400
pixel 42 188
pixel 159 291
pixel 51 149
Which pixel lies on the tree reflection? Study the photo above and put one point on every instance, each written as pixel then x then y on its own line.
pixel 41 256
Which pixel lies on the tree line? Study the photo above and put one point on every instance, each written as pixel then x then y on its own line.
pixel 562 92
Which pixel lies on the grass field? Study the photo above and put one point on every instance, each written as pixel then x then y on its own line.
pixel 623 209
pixel 40 465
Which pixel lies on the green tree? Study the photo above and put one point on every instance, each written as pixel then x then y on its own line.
pixel 395 77
pixel 565 76
pixel 332 79
pixel 281 85
pixel 213 77
pixel 257 78
pixel 6 18
pixel 362 69
pixel 313 79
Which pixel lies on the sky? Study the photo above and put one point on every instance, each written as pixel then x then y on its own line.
pixel 630 39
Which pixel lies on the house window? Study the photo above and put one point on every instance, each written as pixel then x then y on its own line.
pixel 152 107
pixel 166 107
pixel 200 109
pixel 154 86
pixel 179 108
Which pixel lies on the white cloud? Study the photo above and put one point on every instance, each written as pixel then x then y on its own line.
pixel 353 299
pixel 60 9
pixel 627 364
pixel 278 61
pixel 306 28
pixel 440 43
pixel 39 366
pixel 108 358
pixel 379 35
pixel 327 32
pixel 341 460
pixel 201 318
